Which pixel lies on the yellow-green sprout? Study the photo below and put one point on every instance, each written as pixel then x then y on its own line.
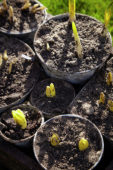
pixel 55 140
pixel 5 57
pixel 34 8
pixel 107 17
pixel 11 14
pixel 26 5
pixel 102 98
pixel 110 105
pixel 19 118
pixel 109 79
pixel 72 8
pixel 83 144
pixel 11 65
pixel 1 60
pixel 1 11
pixel 48 46
pixel 50 90
pixel 77 39
pixel 5 5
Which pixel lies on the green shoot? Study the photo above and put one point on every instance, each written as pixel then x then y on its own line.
pixel 72 9
pixel 19 118
pixel 11 65
pixel 109 79
pixel 11 14
pixel 26 5
pixel 5 5
pixel 34 8
pixel 5 57
pixel 77 39
pixel 102 98
pixel 107 17
pixel 50 90
pixel 48 46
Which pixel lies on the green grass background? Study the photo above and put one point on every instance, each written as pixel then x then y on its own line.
pixel 95 8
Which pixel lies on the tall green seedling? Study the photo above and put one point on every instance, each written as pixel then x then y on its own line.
pixel 72 19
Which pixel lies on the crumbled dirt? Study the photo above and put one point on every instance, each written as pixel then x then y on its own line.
pixel 67 155
pixel 14 131
pixel 14 85
pixel 24 20
pixel 52 106
pixel 86 104
pixel 63 55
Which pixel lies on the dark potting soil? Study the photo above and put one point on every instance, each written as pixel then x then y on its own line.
pixel 52 106
pixel 25 21
pixel 14 131
pixel 62 54
pixel 15 85
pixel 86 103
pixel 67 155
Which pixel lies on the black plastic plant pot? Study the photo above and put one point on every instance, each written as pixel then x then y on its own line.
pixel 68 131
pixel 52 106
pixel 19 71
pixel 13 133
pixel 25 23
pixel 56 48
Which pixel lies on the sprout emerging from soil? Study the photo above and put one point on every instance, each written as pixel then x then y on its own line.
pixel 11 65
pixel 1 60
pixel 26 5
pixel 55 140
pixel 19 118
pixel 48 46
pixel 102 98
pixel 50 90
pixel 110 105
pixel 5 5
pixel 83 144
pixel 5 57
pixel 34 8
pixel 77 40
pixel 109 79
pixel 107 17
pixel 72 20
pixel 11 14
pixel 1 11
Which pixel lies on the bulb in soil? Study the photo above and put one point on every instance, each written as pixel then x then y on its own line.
pixel 83 144
pixel 19 118
pixel 109 79
pixel 102 98
pixel 55 140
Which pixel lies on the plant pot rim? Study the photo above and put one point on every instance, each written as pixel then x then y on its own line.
pixel 26 140
pixel 73 116
pixel 49 115
pixel 49 69
pixel 19 101
pixel 25 32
